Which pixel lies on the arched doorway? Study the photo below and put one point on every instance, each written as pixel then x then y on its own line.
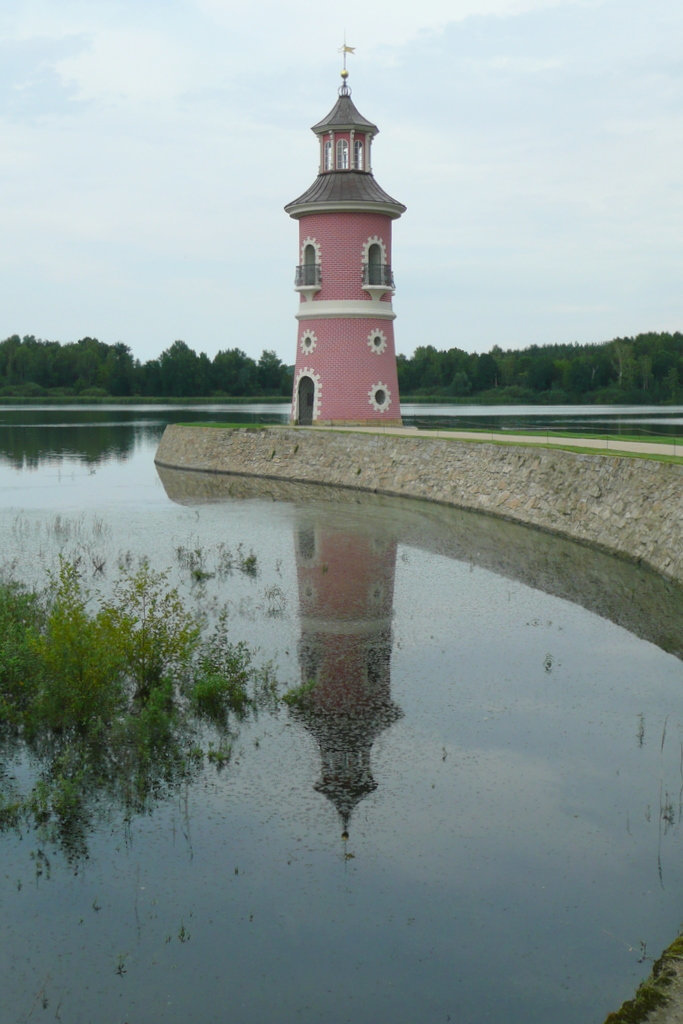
pixel 305 402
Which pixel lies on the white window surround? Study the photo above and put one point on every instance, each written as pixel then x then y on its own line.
pixel 306 371
pixel 379 397
pixel 367 245
pixel 308 342
pixel 377 342
pixel 316 245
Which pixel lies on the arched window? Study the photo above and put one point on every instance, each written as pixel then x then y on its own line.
pixel 328 154
pixel 375 264
pixel 342 155
pixel 358 155
pixel 308 277
pixel 309 265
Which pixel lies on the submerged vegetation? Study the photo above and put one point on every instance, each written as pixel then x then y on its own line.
pixel 111 701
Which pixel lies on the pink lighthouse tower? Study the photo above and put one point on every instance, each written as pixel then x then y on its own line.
pixel 345 369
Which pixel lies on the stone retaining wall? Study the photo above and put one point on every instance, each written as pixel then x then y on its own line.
pixel 632 507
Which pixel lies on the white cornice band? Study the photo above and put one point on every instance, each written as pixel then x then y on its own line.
pixel 324 309
pixel 393 210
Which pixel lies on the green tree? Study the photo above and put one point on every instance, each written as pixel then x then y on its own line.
pixel 621 351
pixel 671 384
pixel 270 370
pixel 234 372
pixel 460 384
pixel 117 370
pixel 179 371
pixel 486 373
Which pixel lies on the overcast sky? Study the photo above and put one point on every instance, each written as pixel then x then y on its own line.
pixel 147 148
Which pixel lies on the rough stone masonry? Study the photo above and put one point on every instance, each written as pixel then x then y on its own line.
pixel 631 507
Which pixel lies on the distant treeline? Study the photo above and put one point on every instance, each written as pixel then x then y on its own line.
pixel 31 367
pixel 647 368
pixel 644 369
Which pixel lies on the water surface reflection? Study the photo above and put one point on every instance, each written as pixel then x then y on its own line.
pixel 508 792
pixel 507 764
pixel 346 587
pixel 640 600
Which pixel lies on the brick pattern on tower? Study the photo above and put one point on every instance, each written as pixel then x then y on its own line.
pixel 345 356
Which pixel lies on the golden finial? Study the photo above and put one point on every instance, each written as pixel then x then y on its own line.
pixel 346 49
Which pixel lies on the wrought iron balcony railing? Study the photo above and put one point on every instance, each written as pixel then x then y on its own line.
pixel 377 275
pixel 308 275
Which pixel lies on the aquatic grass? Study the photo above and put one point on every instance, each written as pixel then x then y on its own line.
pixel 114 697
pixel 224 561
pixel 222 677
pixel 191 559
pixel 81 539
pixel 247 563
pixel 276 601
pixel 215 695
pixel 299 696
pixel 204 563
pixel 221 755
pixel 10 808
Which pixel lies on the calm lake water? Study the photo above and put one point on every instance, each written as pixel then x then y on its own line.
pixel 497 723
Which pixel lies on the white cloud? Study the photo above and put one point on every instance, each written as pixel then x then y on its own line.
pixel 149 150
pixel 131 65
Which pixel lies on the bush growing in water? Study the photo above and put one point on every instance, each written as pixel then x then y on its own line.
pixel 20 617
pixel 221 682
pixel 110 698
pixel 152 634
pixel 76 673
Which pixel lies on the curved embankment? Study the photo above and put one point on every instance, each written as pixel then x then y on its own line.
pixel 630 507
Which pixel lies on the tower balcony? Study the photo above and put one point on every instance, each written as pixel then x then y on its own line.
pixel 308 279
pixel 378 279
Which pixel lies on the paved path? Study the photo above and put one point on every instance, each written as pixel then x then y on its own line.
pixel 608 444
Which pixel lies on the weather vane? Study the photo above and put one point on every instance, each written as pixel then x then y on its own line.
pixel 346 49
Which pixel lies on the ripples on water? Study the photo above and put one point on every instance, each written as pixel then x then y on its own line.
pixel 473 814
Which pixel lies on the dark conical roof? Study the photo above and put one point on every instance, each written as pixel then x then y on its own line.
pixel 344 115
pixel 345 188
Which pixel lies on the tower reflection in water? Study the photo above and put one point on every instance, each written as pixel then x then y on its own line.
pixel 346 588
